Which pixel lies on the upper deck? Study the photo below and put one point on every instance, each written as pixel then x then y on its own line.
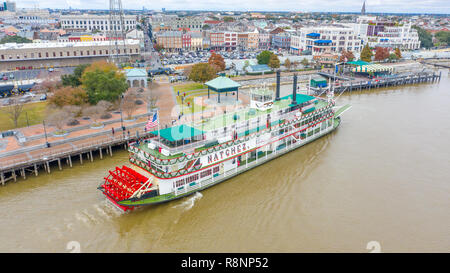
pixel 177 141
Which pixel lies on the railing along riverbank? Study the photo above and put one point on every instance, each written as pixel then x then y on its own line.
pixel 12 169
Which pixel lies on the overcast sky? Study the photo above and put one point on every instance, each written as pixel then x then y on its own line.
pixel 395 6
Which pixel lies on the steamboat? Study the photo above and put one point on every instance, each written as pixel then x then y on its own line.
pixel 180 160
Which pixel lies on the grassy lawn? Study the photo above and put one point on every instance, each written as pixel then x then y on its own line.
pixel 188 87
pixel 34 111
pixel 192 90
pixel 187 110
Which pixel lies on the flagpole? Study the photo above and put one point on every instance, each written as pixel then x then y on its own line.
pixel 159 136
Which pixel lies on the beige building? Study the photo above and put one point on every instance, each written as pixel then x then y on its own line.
pixel 90 22
pixel 170 40
pixel 196 40
pixel 56 54
pixel 253 40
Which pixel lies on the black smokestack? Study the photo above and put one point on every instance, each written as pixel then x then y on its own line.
pixel 294 90
pixel 277 95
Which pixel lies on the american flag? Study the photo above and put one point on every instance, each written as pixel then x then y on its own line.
pixel 152 122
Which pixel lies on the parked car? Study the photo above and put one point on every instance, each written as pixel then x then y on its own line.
pixel 43 97
pixel 5 78
pixel 11 76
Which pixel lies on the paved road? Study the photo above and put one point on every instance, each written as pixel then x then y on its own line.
pixel 21 75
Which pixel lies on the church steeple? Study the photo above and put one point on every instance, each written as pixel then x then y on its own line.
pixel 363 10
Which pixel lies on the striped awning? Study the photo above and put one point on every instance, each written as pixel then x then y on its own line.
pixel 372 68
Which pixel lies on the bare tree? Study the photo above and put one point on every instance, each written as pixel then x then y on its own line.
pixel 71 112
pixel 49 85
pixel 129 103
pixel 95 112
pixel 288 64
pixel 105 104
pixel 14 111
pixel 108 106
pixel 58 118
pixel 151 98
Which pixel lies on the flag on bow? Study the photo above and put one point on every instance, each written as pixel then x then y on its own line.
pixel 152 122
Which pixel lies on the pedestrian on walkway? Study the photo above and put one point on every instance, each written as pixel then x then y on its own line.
pixel 128 134
pixel 112 130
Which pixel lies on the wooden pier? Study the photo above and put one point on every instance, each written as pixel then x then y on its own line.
pixel 13 169
pixel 355 85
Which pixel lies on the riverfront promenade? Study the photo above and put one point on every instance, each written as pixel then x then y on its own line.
pixel 29 143
pixel 26 150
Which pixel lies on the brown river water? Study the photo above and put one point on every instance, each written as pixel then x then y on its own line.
pixel 383 175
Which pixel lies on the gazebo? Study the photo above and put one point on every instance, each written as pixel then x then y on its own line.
pixel 223 85
pixel 136 77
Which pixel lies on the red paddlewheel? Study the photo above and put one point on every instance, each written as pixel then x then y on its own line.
pixel 121 183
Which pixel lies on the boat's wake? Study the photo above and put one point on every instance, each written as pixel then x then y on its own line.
pixel 190 202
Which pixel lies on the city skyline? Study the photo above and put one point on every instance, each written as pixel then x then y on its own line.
pixel 372 6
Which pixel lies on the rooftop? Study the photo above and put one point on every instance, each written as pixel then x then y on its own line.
pixel 136 72
pixel 222 83
pixel 61 44
pixel 178 132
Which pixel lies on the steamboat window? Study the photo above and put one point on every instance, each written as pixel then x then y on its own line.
pixel 192 178
pixel 179 183
pixel 205 173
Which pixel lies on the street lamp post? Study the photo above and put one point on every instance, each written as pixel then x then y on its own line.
pixel 45 132
pixel 121 116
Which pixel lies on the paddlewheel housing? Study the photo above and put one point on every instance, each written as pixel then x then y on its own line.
pixel 124 183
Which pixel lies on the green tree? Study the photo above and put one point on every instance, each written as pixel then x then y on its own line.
pixel 264 57
pixel 392 57
pixel 228 19
pixel 443 37
pixel 74 79
pixel 15 39
pixel 274 62
pixel 103 81
pixel 304 62
pixel 202 72
pixel 425 37
pixel 366 54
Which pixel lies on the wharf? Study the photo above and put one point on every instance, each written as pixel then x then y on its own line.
pixel 402 79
